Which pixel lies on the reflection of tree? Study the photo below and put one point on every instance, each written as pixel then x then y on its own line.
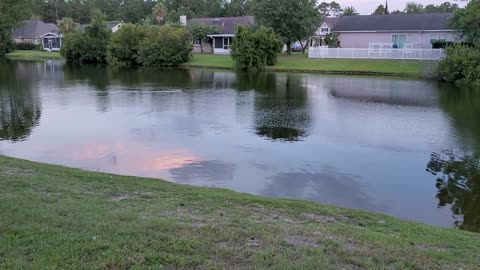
pixel 20 110
pixel 458 185
pixel 463 107
pixel 281 109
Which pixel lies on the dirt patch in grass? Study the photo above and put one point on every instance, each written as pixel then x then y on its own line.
pixel 16 172
pixel 301 240
pixel 325 219
pixel 263 215
pixel 127 196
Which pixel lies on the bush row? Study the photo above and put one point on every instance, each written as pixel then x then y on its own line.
pixel 27 46
pixel 131 45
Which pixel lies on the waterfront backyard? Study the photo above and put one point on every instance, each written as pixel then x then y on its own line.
pixel 355 172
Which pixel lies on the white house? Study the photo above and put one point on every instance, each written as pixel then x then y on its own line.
pixel 417 31
pixel 219 43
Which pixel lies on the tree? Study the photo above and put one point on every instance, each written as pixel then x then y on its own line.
pixel 467 20
pixel 349 11
pixel 254 50
pixel 122 50
pixel 165 46
pixel 414 8
pixel 66 25
pixel 335 9
pixel 90 46
pixel 12 13
pixel 160 12
pixel 200 31
pixel 273 14
pixel 238 8
pixel 380 10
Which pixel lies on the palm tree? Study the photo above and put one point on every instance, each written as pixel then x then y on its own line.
pixel 349 11
pixel 66 25
pixel 160 12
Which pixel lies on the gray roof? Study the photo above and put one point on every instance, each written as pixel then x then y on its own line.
pixel 393 22
pixel 227 25
pixel 31 29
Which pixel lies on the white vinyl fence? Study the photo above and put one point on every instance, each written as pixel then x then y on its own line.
pixel 376 53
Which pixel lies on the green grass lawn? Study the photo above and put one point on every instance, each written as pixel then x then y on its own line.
pixel 300 62
pixel 34 55
pixel 59 218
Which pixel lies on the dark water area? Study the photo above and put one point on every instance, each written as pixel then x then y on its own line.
pixel 407 148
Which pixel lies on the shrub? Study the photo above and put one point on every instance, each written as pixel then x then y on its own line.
pixel 165 46
pixel 123 47
pixel 461 65
pixel 27 46
pixel 6 43
pixel 88 47
pixel 254 50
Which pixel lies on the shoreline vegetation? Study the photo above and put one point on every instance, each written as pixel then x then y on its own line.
pixel 58 217
pixel 286 63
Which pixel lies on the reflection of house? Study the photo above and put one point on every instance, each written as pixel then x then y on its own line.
pixel 220 43
pixel 392 31
pixel 40 33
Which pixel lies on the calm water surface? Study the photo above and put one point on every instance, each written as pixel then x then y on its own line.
pixel 406 148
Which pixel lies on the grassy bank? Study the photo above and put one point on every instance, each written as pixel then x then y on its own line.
pixel 295 62
pixel 34 55
pixel 301 63
pixel 56 217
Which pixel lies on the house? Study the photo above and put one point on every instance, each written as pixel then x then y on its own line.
pixel 40 33
pixel 416 31
pixel 219 43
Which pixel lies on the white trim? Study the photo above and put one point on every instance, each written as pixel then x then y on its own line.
pixel 394 31
pixel 49 33
pixel 221 35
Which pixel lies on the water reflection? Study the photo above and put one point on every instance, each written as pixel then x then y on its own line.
pixel 324 187
pixel 20 108
pixel 458 185
pixel 386 91
pixel 281 108
pixel 458 171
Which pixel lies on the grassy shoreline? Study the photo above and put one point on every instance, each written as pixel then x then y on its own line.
pixel 286 63
pixel 57 217
pixel 34 55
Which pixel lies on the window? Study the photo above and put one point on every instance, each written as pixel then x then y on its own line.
pixel 197 41
pixel 437 37
pixel 399 41
pixel 324 30
pixel 226 43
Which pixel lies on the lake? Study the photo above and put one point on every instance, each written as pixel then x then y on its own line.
pixel 403 147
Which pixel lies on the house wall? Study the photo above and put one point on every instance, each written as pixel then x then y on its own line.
pixel 362 40
pixel 28 40
pixel 207 48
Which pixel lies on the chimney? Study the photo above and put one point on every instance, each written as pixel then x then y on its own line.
pixel 183 20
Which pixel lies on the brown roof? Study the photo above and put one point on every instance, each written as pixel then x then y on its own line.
pixel 31 29
pixel 227 25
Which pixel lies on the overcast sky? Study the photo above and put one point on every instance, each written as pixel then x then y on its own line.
pixel 367 7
